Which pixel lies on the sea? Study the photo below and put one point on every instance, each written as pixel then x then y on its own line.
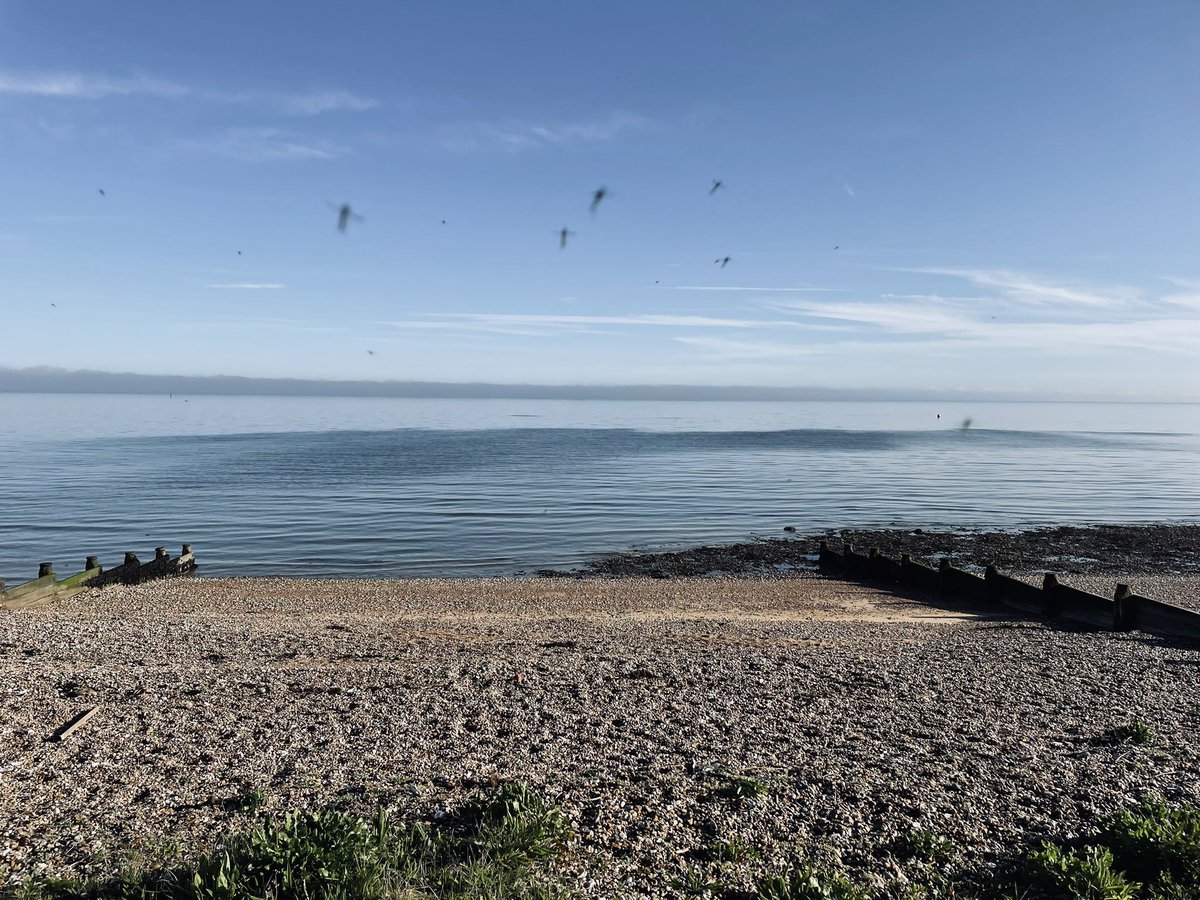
pixel 404 488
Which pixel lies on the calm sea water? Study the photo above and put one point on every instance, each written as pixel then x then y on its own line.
pixel 394 487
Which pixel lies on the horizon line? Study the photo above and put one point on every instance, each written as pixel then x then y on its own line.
pixel 53 380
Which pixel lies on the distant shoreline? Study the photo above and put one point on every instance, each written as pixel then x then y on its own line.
pixel 47 380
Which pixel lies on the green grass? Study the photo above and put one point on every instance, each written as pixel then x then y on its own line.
pixel 808 883
pixel 740 787
pixel 507 844
pixel 492 848
pixel 1133 733
pixel 922 845
pixel 1150 852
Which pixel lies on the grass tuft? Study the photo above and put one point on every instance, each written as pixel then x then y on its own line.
pixel 806 883
pixel 920 844
pixel 1132 733
pixel 492 849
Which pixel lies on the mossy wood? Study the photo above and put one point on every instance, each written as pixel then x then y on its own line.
pixel 48 586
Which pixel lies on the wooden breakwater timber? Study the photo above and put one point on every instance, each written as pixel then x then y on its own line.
pixel 1126 611
pixel 48 586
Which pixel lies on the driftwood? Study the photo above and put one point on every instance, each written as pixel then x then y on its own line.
pixel 66 730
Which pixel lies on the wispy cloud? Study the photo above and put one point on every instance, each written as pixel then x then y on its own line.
pixel 906 318
pixel 964 324
pixel 768 290
pixel 1035 289
pixel 514 136
pixel 249 286
pixel 82 86
pixel 846 187
pixel 731 348
pixel 93 86
pixel 491 320
pixel 317 102
pixel 262 145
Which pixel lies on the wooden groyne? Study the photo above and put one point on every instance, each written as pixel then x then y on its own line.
pixel 1124 611
pixel 48 586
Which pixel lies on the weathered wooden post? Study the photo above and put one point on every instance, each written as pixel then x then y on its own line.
pixel 1125 609
pixel 944 569
pixel 187 548
pixel 45 569
pixel 92 562
pixel 161 554
pixel 1053 606
pixel 131 559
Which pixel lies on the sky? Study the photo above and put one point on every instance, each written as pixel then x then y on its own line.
pixel 957 195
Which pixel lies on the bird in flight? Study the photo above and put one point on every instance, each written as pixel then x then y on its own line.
pixel 723 260
pixel 717 184
pixel 562 237
pixel 345 214
pixel 966 424
pixel 370 353
pixel 835 248
pixel 239 253
pixel 599 194
pixel 101 190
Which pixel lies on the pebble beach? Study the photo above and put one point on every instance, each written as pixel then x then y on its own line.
pixel 632 703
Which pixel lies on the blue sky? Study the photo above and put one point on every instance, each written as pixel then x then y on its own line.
pixel 985 196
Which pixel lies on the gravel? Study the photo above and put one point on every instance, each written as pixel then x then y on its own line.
pixel 629 702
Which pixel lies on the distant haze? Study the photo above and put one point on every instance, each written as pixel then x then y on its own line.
pixel 45 379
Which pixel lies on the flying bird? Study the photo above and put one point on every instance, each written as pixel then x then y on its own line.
pixel 717 184
pixel 562 237
pixel 723 260
pixel 239 253
pixel 345 214
pixel 101 190
pixel 599 194
pixel 370 353
pixel 966 424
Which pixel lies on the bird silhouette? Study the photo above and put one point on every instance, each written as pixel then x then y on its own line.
pixel 370 353
pixel 723 260
pixel 345 214
pixel 599 194
pixel 966 424
pixel 101 190
pixel 835 248
pixel 562 237
pixel 239 253
pixel 717 184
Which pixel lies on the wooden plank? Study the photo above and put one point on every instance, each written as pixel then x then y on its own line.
pixel 1166 619
pixel 80 578
pixel 30 586
pixel 1076 605
pixel 48 598
pixel 964 583
pixel 1015 593
pixel 49 591
pixel 920 576
pixel 66 730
